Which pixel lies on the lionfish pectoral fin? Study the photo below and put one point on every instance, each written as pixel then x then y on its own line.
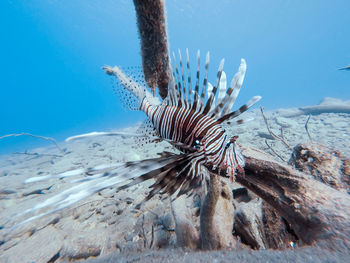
pixel 122 175
pixel 178 177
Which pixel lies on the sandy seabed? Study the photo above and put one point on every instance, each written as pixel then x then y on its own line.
pixel 106 226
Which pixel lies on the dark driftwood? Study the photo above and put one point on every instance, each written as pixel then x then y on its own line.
pixel 324 164
pixel 318 214
pixel 258 225
pixel 151 21
pixel 276 233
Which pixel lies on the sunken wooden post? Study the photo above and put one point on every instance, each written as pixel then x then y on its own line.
pixel 216 216
pixel 151 21
pixel 318 214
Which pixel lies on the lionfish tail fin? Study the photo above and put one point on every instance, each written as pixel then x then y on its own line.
pixel 127 89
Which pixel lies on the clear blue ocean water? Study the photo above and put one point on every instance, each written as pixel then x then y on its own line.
pixel 52 52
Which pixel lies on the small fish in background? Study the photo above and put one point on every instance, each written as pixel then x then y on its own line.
pixel 345 68
pixel 189 118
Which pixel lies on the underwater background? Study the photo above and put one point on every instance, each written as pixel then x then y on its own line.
pixel 52 53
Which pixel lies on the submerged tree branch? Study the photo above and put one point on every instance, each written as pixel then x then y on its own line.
pixel 307 127
pixel 281 138
pixel 316 212
pixel 35 136
pixel 270 147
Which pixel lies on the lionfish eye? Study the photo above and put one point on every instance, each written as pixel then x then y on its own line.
pixel 197 144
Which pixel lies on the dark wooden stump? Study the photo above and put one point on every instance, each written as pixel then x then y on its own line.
pixel 317 213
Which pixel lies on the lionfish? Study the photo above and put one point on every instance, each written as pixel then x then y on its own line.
pixel 188 119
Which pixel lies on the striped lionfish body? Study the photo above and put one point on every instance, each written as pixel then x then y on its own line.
pixel 197 134
pixel 190 119
pixel 193 124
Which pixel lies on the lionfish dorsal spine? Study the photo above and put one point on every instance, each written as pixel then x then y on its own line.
pixel 184 92
pixel 205 81
pixel 189 77
pixel 173 95
pixel 213 93
pixel 238 112
pixel 196 90
pixel 235 87
pixel 209 92
pixel 181 101
pixel 226 103
pixel 222 86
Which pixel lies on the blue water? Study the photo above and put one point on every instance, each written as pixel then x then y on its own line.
pixel 52 51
